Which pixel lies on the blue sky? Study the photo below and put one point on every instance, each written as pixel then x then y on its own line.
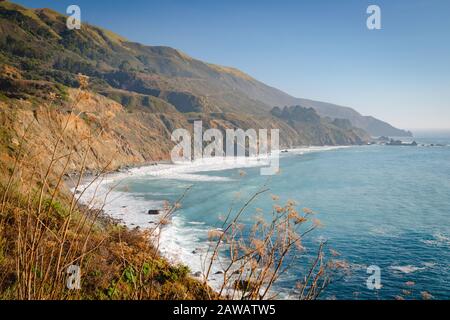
pixel 318 49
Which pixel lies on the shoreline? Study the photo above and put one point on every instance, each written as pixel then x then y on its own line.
pixel 130 210
pixel 89 175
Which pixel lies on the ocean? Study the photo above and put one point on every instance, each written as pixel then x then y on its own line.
pixel 385 206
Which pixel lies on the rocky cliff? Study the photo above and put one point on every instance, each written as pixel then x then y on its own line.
pixel 137 94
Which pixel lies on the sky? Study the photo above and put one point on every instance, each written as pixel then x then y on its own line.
pixel 319 49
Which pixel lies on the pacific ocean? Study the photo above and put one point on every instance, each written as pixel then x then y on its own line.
pixel 384 206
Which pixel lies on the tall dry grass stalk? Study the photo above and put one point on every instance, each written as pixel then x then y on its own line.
pixel 253 258
pixel 50 235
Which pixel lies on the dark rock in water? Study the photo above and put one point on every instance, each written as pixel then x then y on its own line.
pixel 153 212
pixel 395 143
pixel 401 143
pixel 198 274
pixel 219 272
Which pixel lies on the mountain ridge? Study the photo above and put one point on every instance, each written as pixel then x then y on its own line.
pixel 150 78
pixel 267 95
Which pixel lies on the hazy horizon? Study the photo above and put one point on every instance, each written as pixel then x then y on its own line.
pixel 320 51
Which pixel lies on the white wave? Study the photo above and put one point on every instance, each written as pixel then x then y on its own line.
pixel 406 269
pixel 196 223
pixel 188 170
pixel 315 149
pixel 429 264
pixel 438 240
pixel 130 209
pixel 180 243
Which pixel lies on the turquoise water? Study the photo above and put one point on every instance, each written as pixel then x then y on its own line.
pixel 379 205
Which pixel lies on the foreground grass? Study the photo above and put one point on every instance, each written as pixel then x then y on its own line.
pixel 116 263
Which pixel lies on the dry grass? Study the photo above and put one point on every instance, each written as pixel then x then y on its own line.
pixel 254 258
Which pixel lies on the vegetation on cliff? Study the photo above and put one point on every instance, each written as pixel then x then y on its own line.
pixel 44 229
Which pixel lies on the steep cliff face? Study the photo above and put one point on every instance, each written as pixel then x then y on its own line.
pixel 306 122
pixel 97 126
pixel 106 131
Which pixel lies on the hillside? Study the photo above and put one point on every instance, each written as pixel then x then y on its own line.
pixel 40 147
pixel 144 78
